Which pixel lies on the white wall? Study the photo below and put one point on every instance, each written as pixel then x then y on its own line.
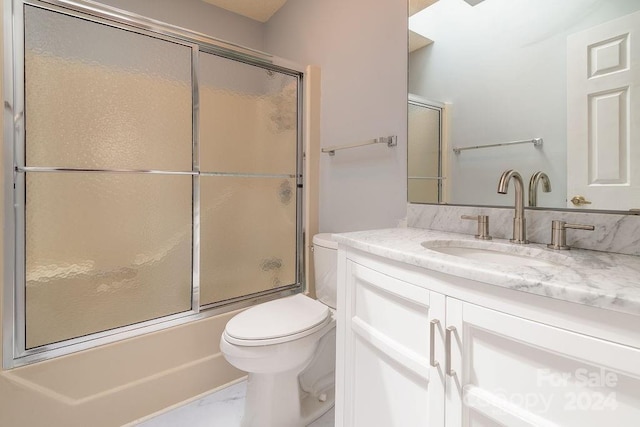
pixel 503 66
pixel 361 47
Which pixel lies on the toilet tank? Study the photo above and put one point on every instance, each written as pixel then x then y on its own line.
pixel 325 257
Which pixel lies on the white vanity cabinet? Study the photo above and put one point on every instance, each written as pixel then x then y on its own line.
pixel 512 359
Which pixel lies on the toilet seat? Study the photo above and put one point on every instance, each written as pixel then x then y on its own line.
pixel 278 321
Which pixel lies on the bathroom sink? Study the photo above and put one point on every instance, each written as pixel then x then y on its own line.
pixel 496 253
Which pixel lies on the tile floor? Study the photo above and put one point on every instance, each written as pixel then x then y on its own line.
pixel 221 409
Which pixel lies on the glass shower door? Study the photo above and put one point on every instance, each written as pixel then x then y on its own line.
pixel 424 168
pixel 107 244
pixel 158 174
pixel 248 165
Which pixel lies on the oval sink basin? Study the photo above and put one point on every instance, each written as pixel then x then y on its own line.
pixel 496 253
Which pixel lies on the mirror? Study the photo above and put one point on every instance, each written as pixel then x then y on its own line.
pixel 560 73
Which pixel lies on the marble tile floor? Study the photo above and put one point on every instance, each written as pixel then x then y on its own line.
pixel 223 408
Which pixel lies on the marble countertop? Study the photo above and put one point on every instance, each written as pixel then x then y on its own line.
pixel 600 279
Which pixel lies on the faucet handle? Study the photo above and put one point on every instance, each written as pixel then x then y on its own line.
pixel 559 233
pixel 483 225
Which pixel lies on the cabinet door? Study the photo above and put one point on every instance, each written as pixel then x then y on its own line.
pixel 387 378
pixel 515 372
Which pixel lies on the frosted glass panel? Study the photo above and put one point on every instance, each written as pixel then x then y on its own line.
pixel 105 250
pixel 248 229
pixel 423 154
pixel 423 190
pixel 101 97
pixel 248 118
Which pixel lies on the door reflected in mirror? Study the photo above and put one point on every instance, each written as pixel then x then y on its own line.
pixel 424 167
pixel 513 70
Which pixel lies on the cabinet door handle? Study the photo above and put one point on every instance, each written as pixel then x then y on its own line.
pixel 450 331
pixel 432 343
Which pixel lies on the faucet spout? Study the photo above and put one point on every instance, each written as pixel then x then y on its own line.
pixel 519 221
pixel 533 186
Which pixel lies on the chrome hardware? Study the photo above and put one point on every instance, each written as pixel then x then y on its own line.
pixel 23 169
pixel 450 330
pixel 391 141
pixel 537 142
pixel 519 221
pixel 432 343
pixel 559 234
pixel 533 186
pixel 579 201
pixel 435 178
pixel 483 225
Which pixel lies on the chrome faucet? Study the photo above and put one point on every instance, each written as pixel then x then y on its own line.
pixel 519 221
pixel 533 186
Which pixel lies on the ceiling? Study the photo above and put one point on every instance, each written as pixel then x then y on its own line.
pixel 263 10
pixel 258 10
pixel 416 6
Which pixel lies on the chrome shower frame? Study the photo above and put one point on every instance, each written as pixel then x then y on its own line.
pixel 13 307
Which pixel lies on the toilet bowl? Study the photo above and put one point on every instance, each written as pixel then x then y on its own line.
pixel 287 347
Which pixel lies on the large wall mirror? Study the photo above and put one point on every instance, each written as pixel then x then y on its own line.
pixel 550 86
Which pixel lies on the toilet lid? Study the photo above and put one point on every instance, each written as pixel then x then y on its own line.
pixel 325 240
pixel 279 318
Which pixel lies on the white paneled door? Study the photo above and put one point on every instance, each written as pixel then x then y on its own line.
pixel 603 108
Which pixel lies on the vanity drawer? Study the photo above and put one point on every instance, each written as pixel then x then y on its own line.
pixel 393 310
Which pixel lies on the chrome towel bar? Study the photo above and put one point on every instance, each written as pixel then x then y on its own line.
pixel 537 142
pixel 391 141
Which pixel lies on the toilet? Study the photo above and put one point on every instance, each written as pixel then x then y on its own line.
pixel 287 346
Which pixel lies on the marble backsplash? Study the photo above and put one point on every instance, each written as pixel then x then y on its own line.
pixel 613 233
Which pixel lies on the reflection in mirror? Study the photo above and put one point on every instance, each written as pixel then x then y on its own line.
pixel 516 70
pixel 425 175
